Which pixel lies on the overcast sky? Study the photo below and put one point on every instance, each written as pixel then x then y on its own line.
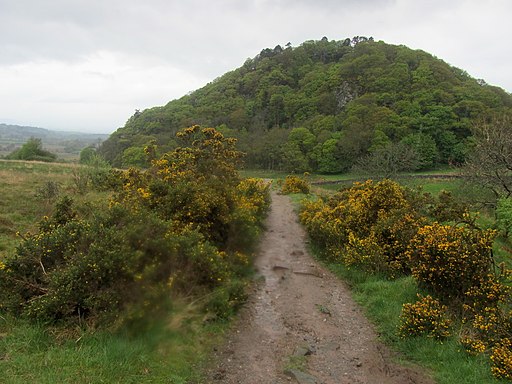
pixel 86 65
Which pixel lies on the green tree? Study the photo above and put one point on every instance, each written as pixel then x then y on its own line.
pixel 297 150
pixel 388 161
pixel 87 155
pixel 32 150
pixel 324 155
pixel 134 157
pixel 425 148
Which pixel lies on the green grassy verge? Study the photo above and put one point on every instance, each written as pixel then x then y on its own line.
pixel 165 352
pixel 382 301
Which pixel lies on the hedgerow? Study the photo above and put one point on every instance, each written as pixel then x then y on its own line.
pixel 184 225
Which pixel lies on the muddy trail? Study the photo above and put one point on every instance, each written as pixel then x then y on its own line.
pixel 300 324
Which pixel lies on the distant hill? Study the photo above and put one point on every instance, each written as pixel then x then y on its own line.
pixel 62 143
pixel 325 104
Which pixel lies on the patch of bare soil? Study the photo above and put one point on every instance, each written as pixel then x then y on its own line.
pixel 300 324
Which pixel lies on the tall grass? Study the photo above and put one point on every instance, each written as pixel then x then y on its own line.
pixel 21 205
pixel 164 352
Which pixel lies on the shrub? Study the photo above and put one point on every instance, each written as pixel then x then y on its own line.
pixel 193 186
pixel 255 193
pixel 250 206
pixel 504 216
pixel 448 208
pixel 181 226
pixel 295 184
pixel 368 225
pixel 226 300
pixel 501 360
pixel 32 150
pixel 75 269
pixel 449 260
pixel 48 192
pixel 384 228
pixel 485 314
pixel 424 317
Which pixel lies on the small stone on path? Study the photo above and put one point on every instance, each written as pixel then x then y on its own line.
pixel 301 377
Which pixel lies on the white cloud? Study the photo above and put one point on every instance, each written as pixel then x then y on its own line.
pixel 89 95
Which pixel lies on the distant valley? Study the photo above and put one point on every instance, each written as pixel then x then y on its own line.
pixel 67 145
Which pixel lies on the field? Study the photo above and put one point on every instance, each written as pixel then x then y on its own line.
pixel 20 207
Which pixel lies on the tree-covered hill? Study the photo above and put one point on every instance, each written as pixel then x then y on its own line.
pixel 325 104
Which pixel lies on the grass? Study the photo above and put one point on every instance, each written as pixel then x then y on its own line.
pixel 21 208
pixel 434 185
pixel 382 301
pixel 262 174
pixel 170 350
pixel 165 352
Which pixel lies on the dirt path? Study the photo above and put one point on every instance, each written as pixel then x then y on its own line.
pixel 300 324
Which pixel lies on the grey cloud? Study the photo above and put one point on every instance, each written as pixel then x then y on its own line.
pixel 200 40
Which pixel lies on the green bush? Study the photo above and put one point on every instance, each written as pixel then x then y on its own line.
pixel 447 208
pixel 32 150
pixel 504 216
pixel 386 229
pixel 368 225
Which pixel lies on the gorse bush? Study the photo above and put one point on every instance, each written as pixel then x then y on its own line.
pixel 295 184
pixel 449 209
pixel 193 186
pixel 487 318
pixel 449 260
pixel 501 359
pixel 368 225
pixel 387 229
pixel 185 225
pixel 425 317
